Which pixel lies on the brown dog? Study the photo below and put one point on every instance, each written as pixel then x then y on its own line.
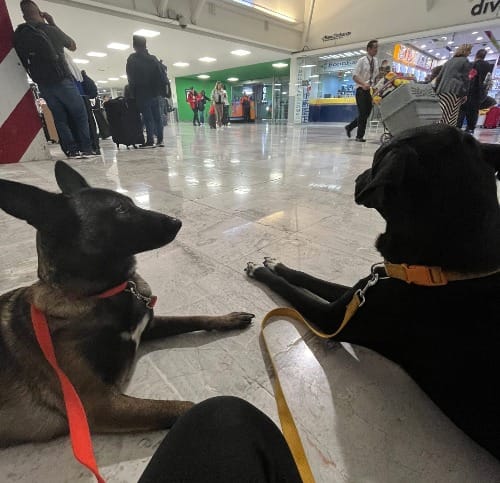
pixel 86 242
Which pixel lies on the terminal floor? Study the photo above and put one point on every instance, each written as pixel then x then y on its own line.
pixel 246 192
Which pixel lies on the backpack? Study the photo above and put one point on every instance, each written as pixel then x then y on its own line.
pixel 38 55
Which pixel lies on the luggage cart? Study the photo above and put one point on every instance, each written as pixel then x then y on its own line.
pixel 409 106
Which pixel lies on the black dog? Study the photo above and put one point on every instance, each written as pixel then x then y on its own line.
pixel 435 188
pixel 86 242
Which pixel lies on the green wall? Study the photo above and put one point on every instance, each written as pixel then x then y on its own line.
pixel 245 73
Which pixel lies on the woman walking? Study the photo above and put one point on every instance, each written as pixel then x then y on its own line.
pixel 217 96
pixel 452 84
pixel 191 99
pixel 201 100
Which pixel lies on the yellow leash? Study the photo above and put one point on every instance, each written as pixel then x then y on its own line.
pixel 287 423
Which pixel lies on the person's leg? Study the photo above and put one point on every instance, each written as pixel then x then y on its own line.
pixel 158 123
pixel 218 113
pixel 463 114
pixel 364 109
pixel 68 94
pixel 222 440
pixel 472 113
pixel 147 118
pixel 66 139
pixel 354 123
pixel 202 117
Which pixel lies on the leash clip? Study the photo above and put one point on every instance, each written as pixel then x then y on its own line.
pixel 375 277
pixel 148 301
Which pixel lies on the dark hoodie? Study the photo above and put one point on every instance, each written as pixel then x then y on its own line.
pixel 144 77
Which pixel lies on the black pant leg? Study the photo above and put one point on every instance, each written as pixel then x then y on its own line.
pixel 222 440
pixel 364 102
pixel 472 113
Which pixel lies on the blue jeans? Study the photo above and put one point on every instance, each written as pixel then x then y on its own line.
pixel 150 110
pixel 202 116
pixel 70 115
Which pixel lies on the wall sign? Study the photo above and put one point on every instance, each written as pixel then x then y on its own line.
pixel 341 64
pixel 484 7
pixel 337 36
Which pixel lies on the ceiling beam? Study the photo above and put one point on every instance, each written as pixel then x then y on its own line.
pixel 305 34
pixel 197 11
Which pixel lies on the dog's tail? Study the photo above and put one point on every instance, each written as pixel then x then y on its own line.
pixel 491 154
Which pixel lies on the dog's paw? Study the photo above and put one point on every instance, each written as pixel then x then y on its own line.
pixel 271 263
pixel 234 320
pixel 250 269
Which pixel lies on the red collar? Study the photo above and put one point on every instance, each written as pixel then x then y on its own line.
pixel 131 287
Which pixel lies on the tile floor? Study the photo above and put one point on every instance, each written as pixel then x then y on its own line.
pixel 243 193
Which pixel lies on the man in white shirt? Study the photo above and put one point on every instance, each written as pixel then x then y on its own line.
pixel 364 75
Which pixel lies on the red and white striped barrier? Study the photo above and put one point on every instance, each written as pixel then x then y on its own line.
pixel 21 133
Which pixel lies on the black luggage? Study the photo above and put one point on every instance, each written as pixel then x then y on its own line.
pixel 124 121
pixel 94 138
pixel 102 124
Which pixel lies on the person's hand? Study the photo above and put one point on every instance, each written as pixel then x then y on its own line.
pixel 48 18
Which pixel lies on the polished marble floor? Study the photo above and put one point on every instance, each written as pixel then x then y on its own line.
pixel 246 192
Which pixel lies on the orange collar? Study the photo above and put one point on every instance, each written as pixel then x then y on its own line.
pixel 428 276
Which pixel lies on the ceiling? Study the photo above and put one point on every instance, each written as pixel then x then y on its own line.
pixel 93 31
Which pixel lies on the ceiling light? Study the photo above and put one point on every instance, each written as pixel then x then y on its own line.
pixel 314 75
pixel 423 46
pixel 232 79
pixel 284 93
pixel 81 61
pixel 451 42
pixel 362 51
pixel 117 46
pixel 147 33
pixel 96 54
pixel 280 65
pixel 203 76
pixel 102 82
pixel 479 38
pixel 240 52
pixel 474 33
pixel 438 54
pixel 444 38
pixel 113 78
pixel 207 59
pixel 181 64
pixel 124 76
pixel 309 65
pixel 430 51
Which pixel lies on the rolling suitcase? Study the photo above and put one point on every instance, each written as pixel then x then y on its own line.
pixel 49 124
pixel 94 137
pixel 492 120
pixel 124 122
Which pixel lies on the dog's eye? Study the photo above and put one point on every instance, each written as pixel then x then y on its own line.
pixel 122 209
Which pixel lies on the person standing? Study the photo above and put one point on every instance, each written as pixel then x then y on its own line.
pixel 146 84
pixel 245 106
pixel 364 76
pixel 225 112
pixel 478 92
pixel 452 84
pixel 193 103
pixel 41 38
pixel 218 101
pixel 201 101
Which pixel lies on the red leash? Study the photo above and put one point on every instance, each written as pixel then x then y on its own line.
pixel 77 419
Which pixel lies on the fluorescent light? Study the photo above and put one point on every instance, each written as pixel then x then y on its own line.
pixel 102 82
pixel 444 38
pixel 438 54
pixel 479 38
pixel 474 33
pixel 232 79
pixel 451 42
pixel 314 76
pixel 96 54
pixel 147 33
pixel 240 52
pixel 248 3
pixel 113 78
pixel 430 51
pixel 117 46
pixel 423 46
pixel 181 64
pixel 362 51
pixel 280 65
pixel 81 61
pixel 203 76
pixel 207 59
pixel 309 65
pixel 277 84
pixel 124 76
pixel 284 93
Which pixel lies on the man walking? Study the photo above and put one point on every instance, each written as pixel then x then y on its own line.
pixel 364 75
pixel 146 82
pixel 40 45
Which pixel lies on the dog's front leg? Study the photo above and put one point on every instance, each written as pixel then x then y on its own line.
pixel 118 413
pixel 167 326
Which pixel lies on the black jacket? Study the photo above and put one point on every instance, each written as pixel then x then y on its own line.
pixel 144 75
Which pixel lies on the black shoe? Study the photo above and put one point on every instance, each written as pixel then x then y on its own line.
pixel 160 145
pixel 348 131
pixel 74 155
pixel 361 140
pixel 146 145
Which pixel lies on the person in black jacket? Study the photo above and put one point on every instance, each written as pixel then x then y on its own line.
pixel 145 80
pixel 478 92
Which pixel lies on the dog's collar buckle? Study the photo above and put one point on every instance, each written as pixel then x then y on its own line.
pixel 417 274
pixel 149 301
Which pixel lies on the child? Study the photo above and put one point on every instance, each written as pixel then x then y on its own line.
pixel 211 117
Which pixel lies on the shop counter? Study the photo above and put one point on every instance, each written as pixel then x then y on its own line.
pixel 332 109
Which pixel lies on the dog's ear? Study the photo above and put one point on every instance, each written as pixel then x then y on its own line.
pixel 388 171
pixel 491 154
pixel 39 208
pixel 69 180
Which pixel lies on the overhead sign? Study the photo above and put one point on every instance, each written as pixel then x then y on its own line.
pixel 484 7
